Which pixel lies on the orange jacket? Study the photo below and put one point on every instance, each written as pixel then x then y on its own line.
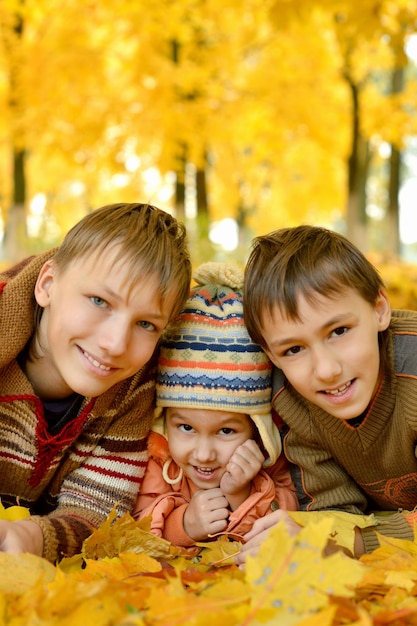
pixel 167 503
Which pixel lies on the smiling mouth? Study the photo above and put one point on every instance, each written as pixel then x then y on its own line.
pixel 100 366
pixel 339 391
pixel 204 470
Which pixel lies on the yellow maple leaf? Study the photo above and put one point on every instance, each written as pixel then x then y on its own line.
pixel 342 530
pixel 125 534
pixel 120 567
pixel 322 618
pixel 222 600
pixel 68 601
pixel 393 564
pixel 220 552
pixel 290 579
pixel 19 572
pixel 71 564
pixel 13 513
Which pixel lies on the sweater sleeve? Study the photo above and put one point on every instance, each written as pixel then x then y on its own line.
pixel 103 472
pixel 397 525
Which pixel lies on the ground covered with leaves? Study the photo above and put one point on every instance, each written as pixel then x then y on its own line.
pixel 126 576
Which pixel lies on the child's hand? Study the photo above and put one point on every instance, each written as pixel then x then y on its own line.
pixel 260 531
pixel 21 536
pixel 207 514
pixel 243 466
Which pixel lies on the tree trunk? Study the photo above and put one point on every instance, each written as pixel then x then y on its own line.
pixel 15 242
pixel 392 222
pixel 201 189
pixel 358 167
pixel 180 196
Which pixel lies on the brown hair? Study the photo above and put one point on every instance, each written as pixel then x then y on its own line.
pixel 151 241
pixel 307 260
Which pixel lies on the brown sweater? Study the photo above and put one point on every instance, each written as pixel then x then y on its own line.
pixel 372 467
pixel 69 481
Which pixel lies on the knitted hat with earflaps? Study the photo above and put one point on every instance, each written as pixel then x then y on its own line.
pixel 207 359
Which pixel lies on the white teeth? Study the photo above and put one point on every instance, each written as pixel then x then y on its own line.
pixel 106 368
pixel 338 392
pixel 204 470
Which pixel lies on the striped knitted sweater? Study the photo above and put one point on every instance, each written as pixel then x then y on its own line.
pixel 372 467
pixel 70 481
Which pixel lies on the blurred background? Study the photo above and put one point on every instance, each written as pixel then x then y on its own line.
pixel 237 116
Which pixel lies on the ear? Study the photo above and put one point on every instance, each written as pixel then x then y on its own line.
pixel 383 310
pixel 44 282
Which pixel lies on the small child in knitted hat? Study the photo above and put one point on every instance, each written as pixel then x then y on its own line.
pixel 213 431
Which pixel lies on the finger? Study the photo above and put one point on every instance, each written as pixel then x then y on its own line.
pixel 264 523
pixel 213 493
pixel 218 526
pixel 219 503
pixel 247 457
pixel 252 449
pixel 247 550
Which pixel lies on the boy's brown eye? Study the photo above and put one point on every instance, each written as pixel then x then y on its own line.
pixel 293 350
pixel 341 330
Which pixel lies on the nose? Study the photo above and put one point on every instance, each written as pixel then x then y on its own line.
pixel 326 364
pixel 115 337
pixel 204 450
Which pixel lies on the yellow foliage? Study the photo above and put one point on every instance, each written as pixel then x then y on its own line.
pixel 401 281
pixel 290 579
pixel 19 572
pixel 289 582
pixel 342 525
pixel 13 513
pixel 123 535
pixel 256 88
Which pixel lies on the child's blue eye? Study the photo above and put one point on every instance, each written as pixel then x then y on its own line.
pixel 146 325
pixel 98 301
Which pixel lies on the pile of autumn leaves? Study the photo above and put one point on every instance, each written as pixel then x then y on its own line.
pixel 125 576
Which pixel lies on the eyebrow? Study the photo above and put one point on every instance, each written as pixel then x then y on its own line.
pixel 334 321
pixel 116 296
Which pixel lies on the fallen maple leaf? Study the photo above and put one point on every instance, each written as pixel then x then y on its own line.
pixel 13 513
pixel 219 552
pixel 125 534
pixel 19 572
pixel 291 580
pixel 288 582
pixel 342 529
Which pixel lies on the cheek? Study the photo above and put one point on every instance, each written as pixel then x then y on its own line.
pixel 68 319
pixel 178 448
pixel 293 370
pixel 139 352
pixel 226 451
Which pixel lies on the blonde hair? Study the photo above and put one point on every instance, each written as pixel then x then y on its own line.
pixel 151 241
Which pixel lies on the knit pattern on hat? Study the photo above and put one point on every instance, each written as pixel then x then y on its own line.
pixel 207 359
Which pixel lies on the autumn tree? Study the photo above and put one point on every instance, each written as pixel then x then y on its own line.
pixel 277 106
